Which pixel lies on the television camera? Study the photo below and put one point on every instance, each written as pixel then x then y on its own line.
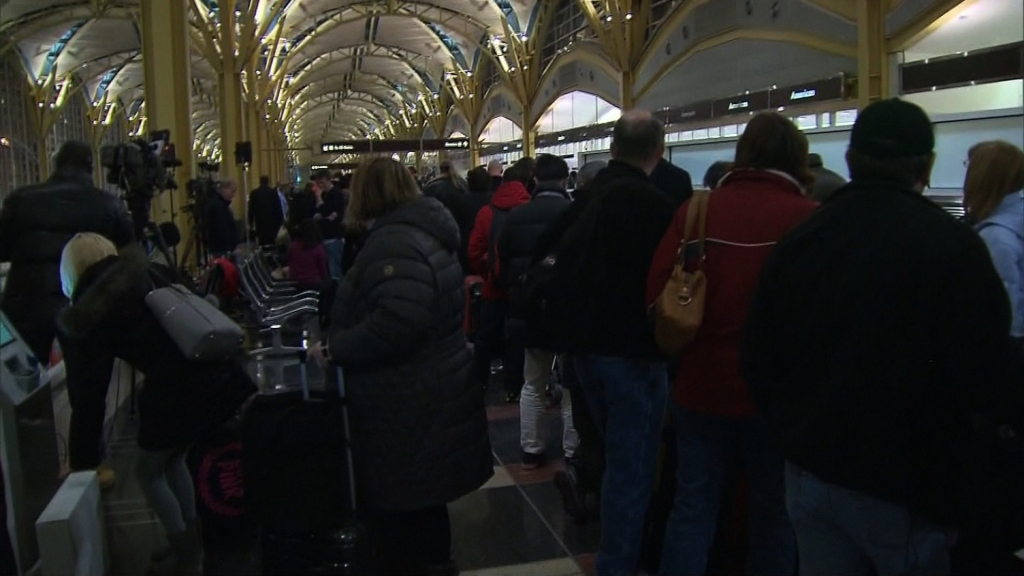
pixel 141 170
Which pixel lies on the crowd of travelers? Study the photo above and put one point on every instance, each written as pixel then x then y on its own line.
pixel 842 361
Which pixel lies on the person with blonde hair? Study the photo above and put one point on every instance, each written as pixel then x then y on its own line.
pixel 181 399
pixel 418 424
pixel 994 201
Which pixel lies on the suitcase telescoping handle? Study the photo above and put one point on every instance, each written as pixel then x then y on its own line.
pixel 303 360
pixel 348 439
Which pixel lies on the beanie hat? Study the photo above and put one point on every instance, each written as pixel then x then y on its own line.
pixel 79 254
pixel 893 129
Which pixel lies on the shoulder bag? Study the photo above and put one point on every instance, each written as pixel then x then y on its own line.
pixel 679 310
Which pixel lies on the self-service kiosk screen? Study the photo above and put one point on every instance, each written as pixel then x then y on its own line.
pixel 6 336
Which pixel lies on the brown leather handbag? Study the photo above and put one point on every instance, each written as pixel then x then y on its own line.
pixel 679 310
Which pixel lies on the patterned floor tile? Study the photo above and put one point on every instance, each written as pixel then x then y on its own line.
pixel 498 527
pixel 560 567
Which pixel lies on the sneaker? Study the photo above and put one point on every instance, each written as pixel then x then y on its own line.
pixel 532 461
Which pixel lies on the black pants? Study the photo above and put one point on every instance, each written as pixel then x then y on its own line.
pixel 590 452
pixel 88 405
pixel 492 343
pixel 408 542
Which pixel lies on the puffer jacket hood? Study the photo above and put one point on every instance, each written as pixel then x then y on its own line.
pixel 509 195
pixel 101 290
pixel 428 215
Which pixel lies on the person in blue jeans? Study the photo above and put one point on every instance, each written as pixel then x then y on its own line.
pixel 330 212
pixel 875 342
pixel 753 207
pixel 620 368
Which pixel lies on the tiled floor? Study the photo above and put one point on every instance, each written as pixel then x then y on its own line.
pixel 513 525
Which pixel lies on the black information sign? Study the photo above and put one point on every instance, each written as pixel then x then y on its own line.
pixel 741 104
pixel 817 91
pixel 364 146
pixel 695 112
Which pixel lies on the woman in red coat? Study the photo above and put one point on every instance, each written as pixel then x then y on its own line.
pixel 754 207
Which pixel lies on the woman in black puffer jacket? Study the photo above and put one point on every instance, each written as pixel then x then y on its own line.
pixel 419 428
pixel 180 399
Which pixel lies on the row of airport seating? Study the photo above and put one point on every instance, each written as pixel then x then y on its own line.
pixel 274 303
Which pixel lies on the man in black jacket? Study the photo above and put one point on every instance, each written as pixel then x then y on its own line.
pixel 221 228
pixel 620 368
pixel 878 330
pixel 465 207
pixel 266 214
pixel 35 224
pixel 517 248
pixel 330 212
pixel 674 181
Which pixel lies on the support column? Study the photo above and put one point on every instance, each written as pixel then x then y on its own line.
pixel 872 57
pixel 44 118
pixel 626 83
pixel 253 125
pixel 529 134
pixel 230 101
pixel 474 151
pixel 167 69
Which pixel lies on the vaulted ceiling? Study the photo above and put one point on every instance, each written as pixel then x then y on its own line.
pixel 350 66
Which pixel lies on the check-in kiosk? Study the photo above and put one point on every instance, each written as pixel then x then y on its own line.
pixel 28 443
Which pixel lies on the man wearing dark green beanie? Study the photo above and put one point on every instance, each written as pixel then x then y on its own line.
pixel 875 334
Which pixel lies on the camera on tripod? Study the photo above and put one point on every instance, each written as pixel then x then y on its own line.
pixel 140 168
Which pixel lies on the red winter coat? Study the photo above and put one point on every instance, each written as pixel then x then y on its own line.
pixel 508 196
pixel 747 215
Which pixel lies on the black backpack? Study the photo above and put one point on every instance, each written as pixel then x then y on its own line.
pixel 497 223
pixel 555 297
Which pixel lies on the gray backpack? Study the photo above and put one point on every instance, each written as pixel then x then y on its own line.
pixel 198 328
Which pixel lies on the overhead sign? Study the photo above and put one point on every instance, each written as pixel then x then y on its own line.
pixel 817 91
pixel 336 166
pixel 742 104
pixel 689 113
pixel 365 146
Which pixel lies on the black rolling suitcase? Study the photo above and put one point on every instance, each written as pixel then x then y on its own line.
pixel 300 484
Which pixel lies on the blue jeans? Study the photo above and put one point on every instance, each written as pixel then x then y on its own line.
pixel 627 401
pixel 848 533
pixel 335 248
pixel 705 444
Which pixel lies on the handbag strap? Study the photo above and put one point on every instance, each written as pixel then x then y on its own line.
pixel 698 217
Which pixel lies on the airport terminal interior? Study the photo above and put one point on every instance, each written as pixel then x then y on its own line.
pixel 236 90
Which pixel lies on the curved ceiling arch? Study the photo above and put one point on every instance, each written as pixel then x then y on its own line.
pixel 316 69
pixel 382 88
pixel 389 69
pixel 317 116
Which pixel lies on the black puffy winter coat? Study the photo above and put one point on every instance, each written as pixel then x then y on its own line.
pixel 419 428
pixel 520 236
pixel 35 224
pixel 108 318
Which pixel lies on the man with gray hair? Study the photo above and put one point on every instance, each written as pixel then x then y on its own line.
pixel 620 368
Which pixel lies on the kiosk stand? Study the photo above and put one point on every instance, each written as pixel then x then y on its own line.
pixel 28 443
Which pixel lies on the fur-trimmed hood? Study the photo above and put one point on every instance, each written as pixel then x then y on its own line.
pixel 104 292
